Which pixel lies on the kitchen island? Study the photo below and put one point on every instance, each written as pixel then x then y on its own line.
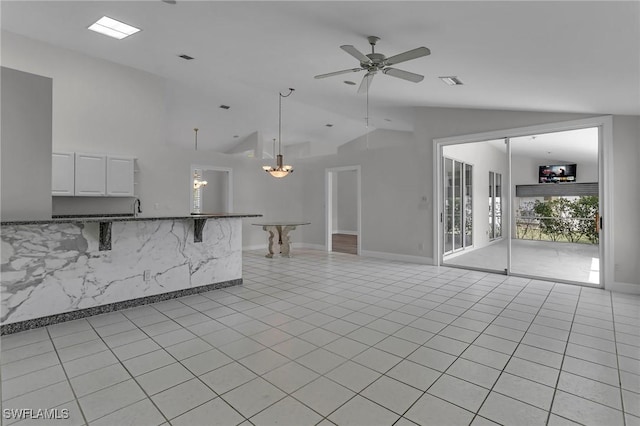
pixel 66 268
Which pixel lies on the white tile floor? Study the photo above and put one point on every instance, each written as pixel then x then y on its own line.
pixel 338 339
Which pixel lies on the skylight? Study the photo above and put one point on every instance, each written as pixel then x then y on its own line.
pixel 112 28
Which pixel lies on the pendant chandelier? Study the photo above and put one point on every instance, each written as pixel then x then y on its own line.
pixel 280 170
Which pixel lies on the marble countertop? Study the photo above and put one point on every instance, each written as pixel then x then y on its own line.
pixel 97 219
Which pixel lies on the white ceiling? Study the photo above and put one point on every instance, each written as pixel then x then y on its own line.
pixel 571 146
pixel 566 56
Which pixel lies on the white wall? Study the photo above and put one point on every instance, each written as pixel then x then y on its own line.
pixel 25 146
pixel 625 223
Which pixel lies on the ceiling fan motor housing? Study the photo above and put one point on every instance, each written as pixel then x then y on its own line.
pixel 377 59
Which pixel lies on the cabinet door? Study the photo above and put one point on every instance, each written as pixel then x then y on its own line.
pixel 119 176
pixel 62 174
pixel 91 175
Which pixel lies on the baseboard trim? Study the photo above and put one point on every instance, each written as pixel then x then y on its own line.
pixel 255 247
pixel 294 246
pixel 15 327
pixel 321 247
pixel 628 288
pixel 397 257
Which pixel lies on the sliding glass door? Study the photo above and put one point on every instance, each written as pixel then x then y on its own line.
pixel 529 206
pixel 472 174
pixel 556 206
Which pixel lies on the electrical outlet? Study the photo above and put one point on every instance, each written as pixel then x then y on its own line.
pixel 147 275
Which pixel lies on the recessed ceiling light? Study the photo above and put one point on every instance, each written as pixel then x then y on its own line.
pixel 350 83
pixel 452 80
pixel 186 57
pixel 225 106
pixel 112 28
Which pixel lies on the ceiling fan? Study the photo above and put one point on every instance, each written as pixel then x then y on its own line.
pixel 374 62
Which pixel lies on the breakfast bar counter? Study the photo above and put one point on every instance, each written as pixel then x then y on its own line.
pixel 65 268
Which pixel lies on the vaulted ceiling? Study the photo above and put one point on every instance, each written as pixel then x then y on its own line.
pixel 568 56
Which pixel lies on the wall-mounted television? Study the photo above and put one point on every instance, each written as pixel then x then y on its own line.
pixel 557 173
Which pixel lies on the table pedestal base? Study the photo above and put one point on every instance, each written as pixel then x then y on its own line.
pixel 283 238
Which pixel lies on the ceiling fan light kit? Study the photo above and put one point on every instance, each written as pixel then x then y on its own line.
pixel 375 62
pixel 280 170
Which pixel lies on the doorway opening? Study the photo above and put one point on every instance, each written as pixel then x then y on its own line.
pixel 211 189
pixel 343 207
pixel 545 187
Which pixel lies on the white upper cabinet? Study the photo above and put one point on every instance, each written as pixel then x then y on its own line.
pixel 62 174
pixel 119 176
pixel 91 175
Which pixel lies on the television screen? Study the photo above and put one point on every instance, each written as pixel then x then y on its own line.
pixel 557 173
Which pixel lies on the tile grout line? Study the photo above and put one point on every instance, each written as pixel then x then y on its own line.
pixel 127 370
pixel 196 376
pixel 347 360
pixel 468 344
pixel 359 393
pixel 615 345
pixel 66 375
pixel 443 284
pixel 476 414
pixel 564 355
pixel 478 301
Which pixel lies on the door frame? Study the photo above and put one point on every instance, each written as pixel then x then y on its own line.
pixel 605 184
pixel 229 172
pixel 329 175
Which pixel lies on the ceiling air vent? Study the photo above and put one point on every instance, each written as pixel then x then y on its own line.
pixel 186 57
pixel 451 80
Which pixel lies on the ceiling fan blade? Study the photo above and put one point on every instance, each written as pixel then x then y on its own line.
pixel 366 82
pixel 405 75
pixel 408 55
pixel 355 53
pixel 331 74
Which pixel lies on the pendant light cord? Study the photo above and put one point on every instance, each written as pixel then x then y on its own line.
pixel 280 118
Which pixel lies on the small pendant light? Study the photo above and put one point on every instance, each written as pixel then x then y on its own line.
pixel 280 170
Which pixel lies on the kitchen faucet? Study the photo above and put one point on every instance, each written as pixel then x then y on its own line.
pixel 137 210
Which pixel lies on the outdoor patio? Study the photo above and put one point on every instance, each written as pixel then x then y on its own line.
pixel 545 259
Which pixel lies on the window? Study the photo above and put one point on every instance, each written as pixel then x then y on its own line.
pixel 495 205
pixel 458 205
